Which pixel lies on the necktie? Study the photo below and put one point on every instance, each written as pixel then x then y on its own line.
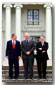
pixel 27 41
pixel 13 44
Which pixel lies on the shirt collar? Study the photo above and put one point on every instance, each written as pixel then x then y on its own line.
pixel 28 40
pixel 14 41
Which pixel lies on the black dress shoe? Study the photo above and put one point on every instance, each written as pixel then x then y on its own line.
pixel 44 77
pixel 40 77
pixel 26 77
pixel 31 77
pixel 10 77
pixel 16 77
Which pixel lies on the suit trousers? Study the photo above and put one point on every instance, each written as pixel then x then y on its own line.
pixel 28 67
pixel 42 65
pixel 13 61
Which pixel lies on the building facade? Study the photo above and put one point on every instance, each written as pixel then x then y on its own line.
pixel 35 18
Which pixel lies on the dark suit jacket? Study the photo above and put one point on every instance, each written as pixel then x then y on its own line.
pixel 13 52
pixel 40 53
pixel 27 47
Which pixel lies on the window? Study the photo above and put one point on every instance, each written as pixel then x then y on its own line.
pixel 35 38
pixel 33 16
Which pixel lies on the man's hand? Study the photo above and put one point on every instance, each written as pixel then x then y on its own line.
pixel 28 53
pixel 6 56
pixel 19 57
pixel 40 48
pixel 43 51
pixel 35 51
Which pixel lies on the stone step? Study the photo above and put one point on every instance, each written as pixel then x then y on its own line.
pixel 22 67
pixel 21 79
pixel 21 76
pixel 36 77
pixel 5 77
pixel 6 74
pixel 22 71
pixel 27 80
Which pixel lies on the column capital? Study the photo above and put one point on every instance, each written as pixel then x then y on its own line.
pixel 7 5
pixel 18 5
pixel 48 5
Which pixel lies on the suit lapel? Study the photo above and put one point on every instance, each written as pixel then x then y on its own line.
pixel 44 44
pixel 16 44
pixel 11 43
pixel 40 44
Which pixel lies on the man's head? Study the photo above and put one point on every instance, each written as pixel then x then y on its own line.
pixel 14 37
pixel 42 38
pixel 27 36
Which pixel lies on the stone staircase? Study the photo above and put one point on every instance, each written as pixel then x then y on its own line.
pixel 5 77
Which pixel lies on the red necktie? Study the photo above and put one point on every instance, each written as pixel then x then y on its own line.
pixel 13 44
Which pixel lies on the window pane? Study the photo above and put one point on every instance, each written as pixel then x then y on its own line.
pixel 33 16
pixel 30 22
pixel 35 38
pixel 36 17
pixel 36 23
pixel 36 12
pixel 29 12
pixel 30 17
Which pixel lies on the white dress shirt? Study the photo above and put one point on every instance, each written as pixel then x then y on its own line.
pixel 14 41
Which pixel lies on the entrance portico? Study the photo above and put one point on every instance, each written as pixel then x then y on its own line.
pixel 15 21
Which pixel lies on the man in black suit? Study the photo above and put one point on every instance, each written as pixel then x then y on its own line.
pixel 27 47
pixel 42 57
pixel 13 53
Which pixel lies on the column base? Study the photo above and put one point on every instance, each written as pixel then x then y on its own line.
pixel 49 62
pixel 5 62
pixel 20 62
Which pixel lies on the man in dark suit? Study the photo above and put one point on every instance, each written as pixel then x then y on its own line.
pixel 13 53
pixel 42 57
pixel 27 47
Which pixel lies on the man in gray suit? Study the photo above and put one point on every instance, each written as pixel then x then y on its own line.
pixel 27 47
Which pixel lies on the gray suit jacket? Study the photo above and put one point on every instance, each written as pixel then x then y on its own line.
pixel 27 47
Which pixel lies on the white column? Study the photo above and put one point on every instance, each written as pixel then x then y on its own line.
pixel 0 43
pixel 49 32
pixel 18 26
pixel 7 27
pixel 18 21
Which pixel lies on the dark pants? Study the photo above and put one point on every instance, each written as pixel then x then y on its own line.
pixel 28 67
pixel 13 61
pixel 41 65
